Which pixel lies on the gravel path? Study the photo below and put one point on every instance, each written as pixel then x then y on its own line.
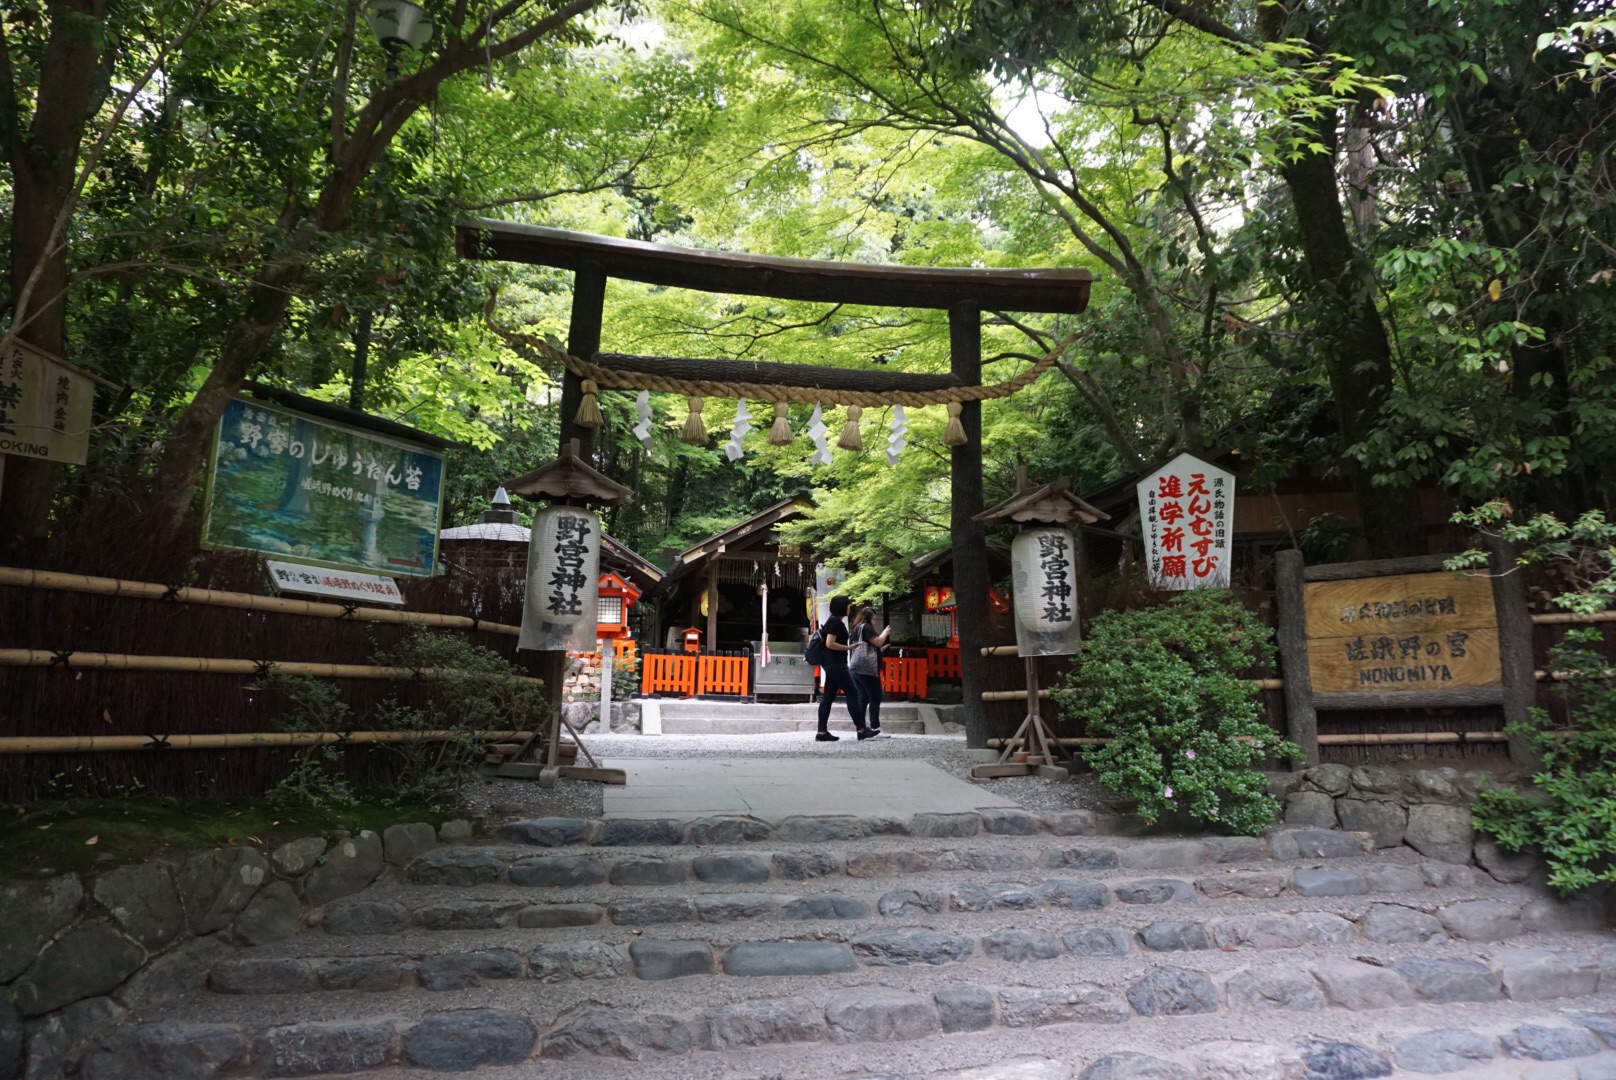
pixel 500 799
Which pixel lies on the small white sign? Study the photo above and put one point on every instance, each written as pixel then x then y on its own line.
pixel 1186 516
pixel 44 406
pixel 342 584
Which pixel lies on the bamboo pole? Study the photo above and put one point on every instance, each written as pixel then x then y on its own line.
pixel 1406 737
pixel 1553 618
pixel 1010 695
pixel 148 590
pixel 259 740
pixel 216 665
pixel 1562 676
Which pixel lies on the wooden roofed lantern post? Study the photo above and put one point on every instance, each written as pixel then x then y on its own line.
pixel 560 607
pixel 1043 569
pixel 963 292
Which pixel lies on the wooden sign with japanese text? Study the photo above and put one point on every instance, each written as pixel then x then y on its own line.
pixel 1436 631
pixel 1186 517
pixel 44 406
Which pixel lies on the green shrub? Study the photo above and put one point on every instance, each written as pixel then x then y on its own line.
pixel 1187 732
pixel 316 777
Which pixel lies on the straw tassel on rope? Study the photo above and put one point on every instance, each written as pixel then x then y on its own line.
pixel 954 433
pixel 695 432
pixel 851 439
pixel 780 433
pixel 589 408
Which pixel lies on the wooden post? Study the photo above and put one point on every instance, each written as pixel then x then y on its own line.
pixel 1301 721
pixel 969 536
pixel 712 602
pixel 1515 646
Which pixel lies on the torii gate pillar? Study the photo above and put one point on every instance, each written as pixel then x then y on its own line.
pixel 969 535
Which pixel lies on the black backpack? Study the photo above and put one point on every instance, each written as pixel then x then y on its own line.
pixel 815 652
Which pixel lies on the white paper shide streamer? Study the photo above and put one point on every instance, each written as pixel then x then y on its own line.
pixel 816 433
pixel 743 423
pixel 899 437
pixel 642 412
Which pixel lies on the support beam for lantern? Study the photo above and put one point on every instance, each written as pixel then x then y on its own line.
pixel 1043 559
pixel 559 611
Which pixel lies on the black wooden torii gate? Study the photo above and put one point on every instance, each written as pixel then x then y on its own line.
pixel 963 292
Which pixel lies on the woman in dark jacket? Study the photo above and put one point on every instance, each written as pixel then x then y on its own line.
pixel 838 643
pixel 868 680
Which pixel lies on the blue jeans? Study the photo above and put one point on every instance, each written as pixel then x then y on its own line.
pixel 839 678
pixel 869 688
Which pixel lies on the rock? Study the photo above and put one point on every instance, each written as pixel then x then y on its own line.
pixel 788 958
pixel 656 960
pixel 552 916
pixel 170 977
pixel 1330 779
pixel 1262 989
pixel 726 829
pixel 738 907
pixel 13 1042
pixel 401 843
pixel 1323 928
pixel 1509 867
pixel 1238 1060
pixel 376 974
pixel 1073 1003
pixel 965 1008
pixel 1131 1066
pixel 1255 884
pixel 1352 984
pixel 349 866
pixel 1327 881
pixel 1154 891
pixel 901 902
pixel 1447 981
pixel 141 899
pixel 215 885
pixel 1377 780
pixel 1384 821
pixel 1230 849
pixel 636 832
pixel 1390 879
pixel 1001 821
pixel 1075 895
pixel 819 829
pixel 769 1022
pixel 457 971
pixel 36 911
pixel 87 961
pixel 1433 785
pixel 987 861
pixel 826 906
pixel 879 1014
pixel 1394 924
pixel 1440 832
pixel 645 911
pixel 944 825
pixel 1310 808
pixel 335 1046
pixel 1444 1051
pixel 1541 974
pixel 730 869
pixel 1173 936
pixel 1446 875
pixel 1170 991
pixel 575 960
pixel 649 870
pixel 457 831
pixel 1259 932
pixel 868 864
pixel 546 832
pixel 1603 1025
pixel 558 872
pixel 259 975
pixel 465 915
pixel 1290 844
pixel 166 1051
pixel 1071 823
pixel 366 917
pixel 1481 920
pixel 1019 946
pixel 1551 915
pixel 802 865
pixel 274 914
pixel 1084 858
pixel 1550 1043
pixel 891 948
pixel 460 867
pixel 1097 941
pixel 610 1034
pixel 466 1039
pixel 1327 1060
pixel 996 896
pixel 57 1043
pixel 1596 1071
pixel 1163 856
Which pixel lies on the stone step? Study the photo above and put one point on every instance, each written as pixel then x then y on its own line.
pixel 683 717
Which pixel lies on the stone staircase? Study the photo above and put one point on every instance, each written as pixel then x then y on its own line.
pixel 991 945
pixel 693 717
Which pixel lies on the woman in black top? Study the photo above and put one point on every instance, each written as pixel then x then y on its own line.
pixel 869 685
pixel 837 644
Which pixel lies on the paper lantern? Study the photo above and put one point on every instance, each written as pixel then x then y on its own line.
pixel 564 566
pixel 1044 572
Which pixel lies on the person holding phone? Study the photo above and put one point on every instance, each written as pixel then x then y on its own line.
pixel 838 643
pixel 864 664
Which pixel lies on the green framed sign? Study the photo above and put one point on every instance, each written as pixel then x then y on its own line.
pixel 308 490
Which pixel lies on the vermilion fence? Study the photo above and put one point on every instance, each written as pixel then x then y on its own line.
pixel 904 676
pixel 943 664
pixel 668 673
pixel 725 674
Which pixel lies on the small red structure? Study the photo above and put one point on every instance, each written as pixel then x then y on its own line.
pixel 616 596
pixel 692 639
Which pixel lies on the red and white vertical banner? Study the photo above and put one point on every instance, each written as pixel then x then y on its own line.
pixel 1186 516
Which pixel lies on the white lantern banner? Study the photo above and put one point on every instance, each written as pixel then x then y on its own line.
pixel 1043 570
pixel 897 440
pixel 1186 519
pixel 816 434
pixel 563 574
pixel 642 411
pixel 743 423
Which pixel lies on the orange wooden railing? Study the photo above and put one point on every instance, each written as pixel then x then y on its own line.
pixel 904 676
pixel 624 649
pixel 668 673
pixel 723 673
pixel 943 664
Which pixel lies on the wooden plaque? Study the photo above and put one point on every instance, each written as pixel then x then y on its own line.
pixel 1409 632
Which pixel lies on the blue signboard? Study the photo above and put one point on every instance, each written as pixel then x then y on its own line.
pixel 305 489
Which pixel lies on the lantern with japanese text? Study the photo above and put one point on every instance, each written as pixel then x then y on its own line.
pixel 563 565
pixel 1044 580
pixel 1186 519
